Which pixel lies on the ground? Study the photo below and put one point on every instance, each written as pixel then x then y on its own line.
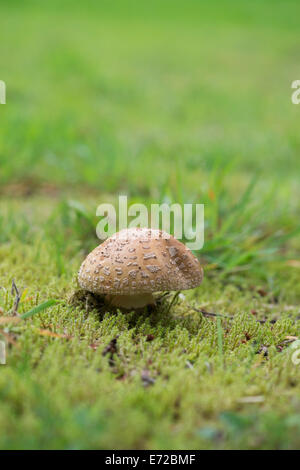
pixel 164 105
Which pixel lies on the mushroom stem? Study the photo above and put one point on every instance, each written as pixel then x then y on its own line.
pixel 131 301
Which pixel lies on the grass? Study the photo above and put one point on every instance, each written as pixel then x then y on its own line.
pixel 164 105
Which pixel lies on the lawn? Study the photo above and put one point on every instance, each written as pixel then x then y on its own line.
pixel 163 103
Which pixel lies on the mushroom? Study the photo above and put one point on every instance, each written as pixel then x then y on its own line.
pixel 134 263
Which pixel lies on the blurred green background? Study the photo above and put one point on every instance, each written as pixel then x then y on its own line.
pixel 165 101
pixel 122 95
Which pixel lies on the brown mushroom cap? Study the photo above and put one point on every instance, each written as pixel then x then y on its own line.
pixel 138 261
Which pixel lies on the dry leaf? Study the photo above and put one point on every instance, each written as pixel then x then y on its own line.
pixel 24 294
pixel 28 299
pixel 9 338
pixel 5 320
pixel 257 399
pixel 52 334
pixel 294 263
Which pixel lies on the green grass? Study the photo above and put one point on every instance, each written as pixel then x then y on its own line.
pixel 100 99
pixel 164 104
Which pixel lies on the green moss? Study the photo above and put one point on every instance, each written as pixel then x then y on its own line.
pixel 168 385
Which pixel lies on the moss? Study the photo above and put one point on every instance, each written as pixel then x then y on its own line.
pixel 165 384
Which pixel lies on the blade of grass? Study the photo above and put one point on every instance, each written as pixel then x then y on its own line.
pixel 39 308
pixel 239 208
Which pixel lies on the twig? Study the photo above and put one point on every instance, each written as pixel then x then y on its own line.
pixel 14 288
pixel 210 314
pixel 229 317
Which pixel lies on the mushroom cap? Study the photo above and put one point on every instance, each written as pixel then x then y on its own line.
pixel 140 260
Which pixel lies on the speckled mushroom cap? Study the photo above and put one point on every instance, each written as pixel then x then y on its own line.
pixel 137 261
